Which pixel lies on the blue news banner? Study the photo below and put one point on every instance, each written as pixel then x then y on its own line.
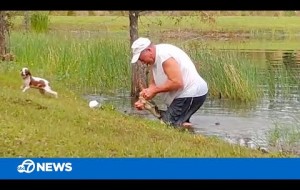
pixel 149 168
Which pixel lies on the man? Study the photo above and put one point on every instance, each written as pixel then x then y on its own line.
pixel 174 76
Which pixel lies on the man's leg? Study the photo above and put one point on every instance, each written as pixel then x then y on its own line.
pixel 181 109
pixel 196 104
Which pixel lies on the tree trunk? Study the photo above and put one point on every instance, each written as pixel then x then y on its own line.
pixel 5 54
pixel 2 33
pixel 26 21
pixel 139 71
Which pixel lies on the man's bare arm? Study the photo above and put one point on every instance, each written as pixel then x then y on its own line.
pixel 174 81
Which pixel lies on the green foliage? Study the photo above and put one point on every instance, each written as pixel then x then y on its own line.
pixel 103 60
pixel 229 75
pixel 285 137
pixel 245 24
pixel 39 21
pixel 105 66
pixel 90 64
pixel 104 63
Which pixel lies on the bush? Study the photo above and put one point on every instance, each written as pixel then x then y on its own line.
pixel 39 21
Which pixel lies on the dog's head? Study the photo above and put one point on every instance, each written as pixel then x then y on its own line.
pixel 25 72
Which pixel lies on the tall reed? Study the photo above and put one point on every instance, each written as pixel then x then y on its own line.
pixel 83 63
pixel 285 136
pixel 97 63
pixel 282 79
pixel 39 21
pixel 229 74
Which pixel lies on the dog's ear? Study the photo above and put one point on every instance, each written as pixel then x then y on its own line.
pixel 28 72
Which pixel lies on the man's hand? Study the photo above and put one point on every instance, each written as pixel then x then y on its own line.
pixel 139 105
pixel 148 93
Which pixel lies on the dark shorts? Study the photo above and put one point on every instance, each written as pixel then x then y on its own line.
pixel 181 110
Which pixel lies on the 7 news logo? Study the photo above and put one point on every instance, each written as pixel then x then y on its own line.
pixel 28 166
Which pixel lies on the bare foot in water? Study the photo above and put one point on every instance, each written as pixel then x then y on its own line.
pixel 187 124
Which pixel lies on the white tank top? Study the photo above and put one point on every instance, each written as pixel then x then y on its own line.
pixel 194 84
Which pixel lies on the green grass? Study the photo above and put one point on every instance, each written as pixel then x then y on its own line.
pixel 232 23
pixel 228 74
pixel 285 137
pixel 99 64
pixel 256 44
pixel 87 63
pixel 157 23
pixel 265 31
pixel 39 21
pixel 33 125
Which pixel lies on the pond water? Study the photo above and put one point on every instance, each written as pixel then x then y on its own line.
pixel 246 125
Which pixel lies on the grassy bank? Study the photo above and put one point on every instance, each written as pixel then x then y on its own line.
pixel 33 125
pixel 159 23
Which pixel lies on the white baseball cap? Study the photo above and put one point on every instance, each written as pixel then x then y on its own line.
pixel 138 46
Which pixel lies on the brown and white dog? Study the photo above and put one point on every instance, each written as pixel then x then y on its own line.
pixel 30 81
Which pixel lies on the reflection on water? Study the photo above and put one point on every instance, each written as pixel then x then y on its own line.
pixel 247 125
